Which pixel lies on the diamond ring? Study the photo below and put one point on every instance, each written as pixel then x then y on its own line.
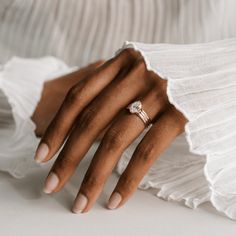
pixel 136 108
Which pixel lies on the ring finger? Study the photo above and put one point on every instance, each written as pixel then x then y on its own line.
pixel 119 136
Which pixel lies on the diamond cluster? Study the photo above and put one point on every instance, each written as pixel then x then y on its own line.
pixel 135 107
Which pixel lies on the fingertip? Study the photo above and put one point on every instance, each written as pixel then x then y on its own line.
pixel 114 201
pixel 80 204
pixel 51 183
pixel 41 153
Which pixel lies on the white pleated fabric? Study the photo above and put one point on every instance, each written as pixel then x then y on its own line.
pixel 21 83
pixel 202 85
pixel 81 31
pixel 199 166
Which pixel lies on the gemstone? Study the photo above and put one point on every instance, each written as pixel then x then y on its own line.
pixel 135 107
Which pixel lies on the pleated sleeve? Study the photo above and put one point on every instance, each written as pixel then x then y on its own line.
pixel 21 84
pixel 201 82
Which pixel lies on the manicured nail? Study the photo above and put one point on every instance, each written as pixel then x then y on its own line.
pixel 51 183
pixel 80 203
pixel 114 201
pixel 41 152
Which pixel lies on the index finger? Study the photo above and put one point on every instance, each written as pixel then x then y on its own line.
pixel 76 100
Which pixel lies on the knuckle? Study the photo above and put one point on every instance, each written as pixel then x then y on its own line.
pixel 140 64
pixel 145 152
pixel 75 95
pixel 87 118
pixel 129 53
pixel 158 93
pixel 139 70
pixel 159 85
pixel 66 163
pixel 113 140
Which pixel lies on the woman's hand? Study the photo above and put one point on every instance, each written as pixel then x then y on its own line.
pixel 99 102
pixel 53 94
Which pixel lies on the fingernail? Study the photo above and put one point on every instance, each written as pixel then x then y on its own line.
pixel 80 203
pixel 51 183
pixel 41 152
pixel 114 201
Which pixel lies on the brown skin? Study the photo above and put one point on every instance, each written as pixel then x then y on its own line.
pixel 54 93
pixel 94 104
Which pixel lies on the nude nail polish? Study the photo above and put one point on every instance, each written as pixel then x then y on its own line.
pixel 41 152
pixel 114 201
pixel 80 203
pixel 51 183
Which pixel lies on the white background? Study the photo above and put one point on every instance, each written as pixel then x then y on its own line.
pixel 25 210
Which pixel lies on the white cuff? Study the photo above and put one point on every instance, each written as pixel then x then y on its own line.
pixel 21 84
pixel 202 85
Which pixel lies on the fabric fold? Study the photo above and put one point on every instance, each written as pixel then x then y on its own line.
pixel 202 85
pixel 21 84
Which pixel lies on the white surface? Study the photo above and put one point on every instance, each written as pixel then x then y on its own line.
pixel 25 210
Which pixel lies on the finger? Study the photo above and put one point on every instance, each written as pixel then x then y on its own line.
pixel 69 80
pixel 56 90
pixel 103 132
pixel 120 135
pixel 93 120
pixel 76 100
pixel 158 138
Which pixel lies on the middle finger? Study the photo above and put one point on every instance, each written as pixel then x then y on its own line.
pixel 120 135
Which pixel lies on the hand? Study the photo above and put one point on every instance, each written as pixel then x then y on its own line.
pixel 98 102
pixel 53 94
